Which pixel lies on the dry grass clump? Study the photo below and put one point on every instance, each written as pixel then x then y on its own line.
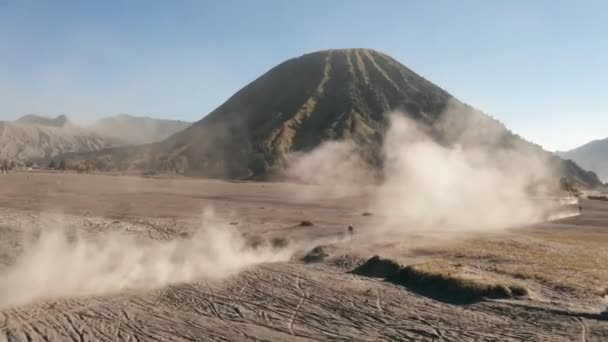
pixel 316 254
pixel 348 261
pixel 378 267
pixel 279 242
pixel 443 281
pixel 518 290
pixel 440 280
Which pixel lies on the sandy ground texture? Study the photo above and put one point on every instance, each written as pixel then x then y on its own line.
pixel 116 258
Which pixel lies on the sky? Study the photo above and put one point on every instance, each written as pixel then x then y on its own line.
pixel 538 66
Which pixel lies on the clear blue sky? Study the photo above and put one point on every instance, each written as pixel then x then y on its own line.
pixel 539 66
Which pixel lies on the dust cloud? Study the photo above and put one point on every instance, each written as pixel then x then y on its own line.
pixel 463 173
pixel 456 187
pixel 58 264
pixel 331 169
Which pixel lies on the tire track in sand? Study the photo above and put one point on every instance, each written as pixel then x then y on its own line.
pixel 297 309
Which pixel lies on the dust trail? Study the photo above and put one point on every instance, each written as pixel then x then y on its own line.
pixel 331 170
pixel 59 265
pixel 458 187
pixel 462 173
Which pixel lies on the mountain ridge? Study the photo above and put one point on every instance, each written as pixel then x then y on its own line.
pixel 592 156
pixel 25 141
pixel 36 138
pixel 325 95
pixel 35 119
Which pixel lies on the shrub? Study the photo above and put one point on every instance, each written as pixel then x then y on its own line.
pixel 316 254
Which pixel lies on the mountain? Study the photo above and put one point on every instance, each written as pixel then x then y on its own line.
pixel 135 130
pixel 592 156
pixel 33 119
pixel 326 95
pixel 35 137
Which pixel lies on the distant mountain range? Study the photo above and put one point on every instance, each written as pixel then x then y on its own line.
pixel 33 119
pixel 33 138
pixel 327 95
pixel 592 156
pixel 36 138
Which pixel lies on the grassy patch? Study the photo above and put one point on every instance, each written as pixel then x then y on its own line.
pixel 567 259
pixel 440 280
pixel 443 281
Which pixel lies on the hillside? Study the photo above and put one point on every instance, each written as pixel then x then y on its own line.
pixel 592 156
pixel 136 130
pixel 326 95
pixel 33 119
pixel 37 138
pixel 34 137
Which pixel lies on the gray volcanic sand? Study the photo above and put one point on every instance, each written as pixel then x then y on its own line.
pixel 284 300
